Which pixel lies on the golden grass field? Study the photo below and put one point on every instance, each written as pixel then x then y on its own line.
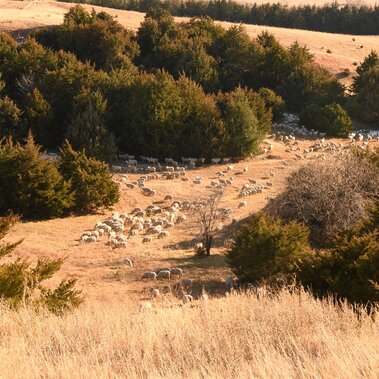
pixel 23 15
pixel 289 335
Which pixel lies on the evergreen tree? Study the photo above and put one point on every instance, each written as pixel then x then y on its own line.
pixel 87 129
pixel 39 118
pixel 19 281
pixel 90 179
pixel 10 119
pixel 31 184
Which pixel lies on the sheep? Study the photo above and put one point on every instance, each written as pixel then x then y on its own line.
pixel 121 244
pixel 176 271
pixel 147 239
pixel 149 275
pixel 187 299
pixel 229 283
pixel 152 192
pixel 230 168
pixel 154 292
pixel 269 184
pixel 242 204
pixel 215 160
pixel 158 270
pixel 127 262
pixel 168 198
pixel 186 282
pixel 246 169
pixel 169 168
pixel 166 289
pixel 197 181
pixel 199 246
pixel 181 218
pixel 154 230
pixel 164 274
pixel 163 234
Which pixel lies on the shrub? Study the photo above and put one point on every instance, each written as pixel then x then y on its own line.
pixel 328 196
pixel 267 248
pixel 349 269
pixel 19 281
pixel 87 129
pixel 273 101
pixel 330 119
pixel 31 184
pixel 90 179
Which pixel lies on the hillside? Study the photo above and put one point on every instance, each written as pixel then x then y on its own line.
pixel 345 50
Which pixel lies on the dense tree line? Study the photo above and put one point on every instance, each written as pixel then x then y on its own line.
pixel 331 18
pixel 167 90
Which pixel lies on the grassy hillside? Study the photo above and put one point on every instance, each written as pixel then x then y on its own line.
pixel 344 50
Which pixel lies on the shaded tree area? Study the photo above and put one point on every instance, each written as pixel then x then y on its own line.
pixel 168 89
pixel 347 18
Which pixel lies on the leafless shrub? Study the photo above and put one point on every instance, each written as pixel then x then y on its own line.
pixel 328 195
pixel 208 219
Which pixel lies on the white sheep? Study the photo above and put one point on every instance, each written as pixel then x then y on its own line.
pixel 164 274
pixel 176 271
pixel 149 275
pixel 147 239
pixel 145 306
pixel 163 234
pixel 127 262
pixel 186 282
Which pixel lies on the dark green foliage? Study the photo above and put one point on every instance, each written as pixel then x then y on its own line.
pixel 243 131
pixel 5 224
pixel 364 103
pixel 87 129
pixel 31 185
pixel 267 248
pixel 62 298
pixel 39 117
pixel 94 37
pixel 273 102
pixel 10 118
pixel 19 280
pixel 90 180
pixel 349 269
pixel 330 119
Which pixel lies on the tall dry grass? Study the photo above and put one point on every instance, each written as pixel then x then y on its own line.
pixel 286 336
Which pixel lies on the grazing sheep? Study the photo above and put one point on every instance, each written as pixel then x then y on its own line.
pixel 166 289
pixel 246 169
pixel 186 282
pixel 147 239
pixel 168 198
pixel 127 262
pixel 163 234
pixel 154 292
pixel 230 167
pixel 133 232
pixel 121 244
pixel 229 283
pixel 164 274
pixel 242 204
pixel 187 299
pixel 181 218
pixel 158 270
pixel 176 271
pixel 149 275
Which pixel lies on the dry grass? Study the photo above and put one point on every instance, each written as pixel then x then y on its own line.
pixel 286 336
pixel 16 16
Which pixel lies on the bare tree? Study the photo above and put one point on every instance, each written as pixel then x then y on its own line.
pixel 209 216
